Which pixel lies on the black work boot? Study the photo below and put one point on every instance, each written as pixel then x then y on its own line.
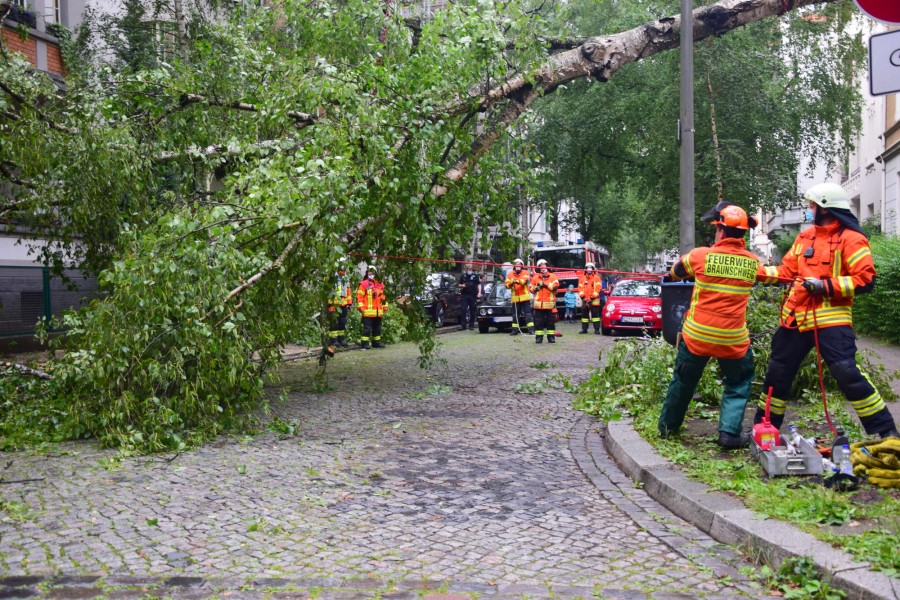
pixel 340 342
pixel 538 339
pixel 377 344
pixel 583 330
pixel 551 339
pixel 514 332
pixel 732 442
pixel 364 346
pixel 890 433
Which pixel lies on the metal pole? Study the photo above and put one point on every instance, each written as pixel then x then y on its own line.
pixel 686 129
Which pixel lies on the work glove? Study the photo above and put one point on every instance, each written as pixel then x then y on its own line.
pixel 814 286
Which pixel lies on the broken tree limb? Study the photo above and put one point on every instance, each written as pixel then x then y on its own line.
pixel 26 370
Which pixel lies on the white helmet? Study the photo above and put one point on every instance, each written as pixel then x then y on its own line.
pixel 589 265
pixel 828 195
pixel 519 261
pixel 542 263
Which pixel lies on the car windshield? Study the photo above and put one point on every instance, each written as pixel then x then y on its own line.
pixel 635 288
pixel 499 294
pixel 572 258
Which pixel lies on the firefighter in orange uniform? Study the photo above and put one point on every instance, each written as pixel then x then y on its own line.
pixel 339 303
pixel 517 282
pixel 590 289
pixel 543 286
pixel 715 325
pixel 371 302
pixel 831 263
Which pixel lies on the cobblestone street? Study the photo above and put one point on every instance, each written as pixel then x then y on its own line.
pixel 471 476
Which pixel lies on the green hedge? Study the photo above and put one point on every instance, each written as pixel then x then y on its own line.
pixel 878 313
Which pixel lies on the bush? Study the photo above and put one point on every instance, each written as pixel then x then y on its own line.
pixel 878 313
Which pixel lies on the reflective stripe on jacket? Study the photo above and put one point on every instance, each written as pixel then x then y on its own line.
pixel 370 298
pixel 716 322
pixel 590 287
pixel 544 295
pixel 841 259
pixel 342 295
pixel 518 283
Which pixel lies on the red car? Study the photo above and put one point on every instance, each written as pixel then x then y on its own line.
pixel 633 304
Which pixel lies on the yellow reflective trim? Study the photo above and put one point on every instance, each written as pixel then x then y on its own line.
pixel 713 338
pixel 836 264
pixel 776 406
pixel 723 287
pixel 868 406
pixel 687 264
pixel 716 330
pixel 847 288
pixel 858 255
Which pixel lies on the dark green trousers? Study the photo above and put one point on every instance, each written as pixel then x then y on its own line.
pixel 737 375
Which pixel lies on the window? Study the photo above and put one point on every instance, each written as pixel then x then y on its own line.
pixel 51 11
pixel 896 107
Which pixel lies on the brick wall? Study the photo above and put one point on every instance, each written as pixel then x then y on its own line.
pixel 55 61
pixel 17 44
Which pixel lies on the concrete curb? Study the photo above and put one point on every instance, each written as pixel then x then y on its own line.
pixel 727 520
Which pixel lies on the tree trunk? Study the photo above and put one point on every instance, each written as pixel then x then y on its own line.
pixel 182 27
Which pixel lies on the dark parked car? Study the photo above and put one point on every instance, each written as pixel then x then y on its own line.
pixel 441 298
pixel 486 287
pixel 496 311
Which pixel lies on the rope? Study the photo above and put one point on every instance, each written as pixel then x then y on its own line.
pixel 563 270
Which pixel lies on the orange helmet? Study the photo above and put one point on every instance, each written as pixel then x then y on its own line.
pixel 729 215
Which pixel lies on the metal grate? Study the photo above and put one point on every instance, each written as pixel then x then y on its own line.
pixel 29 295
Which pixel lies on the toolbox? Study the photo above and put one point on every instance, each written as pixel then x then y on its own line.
pixel 805 460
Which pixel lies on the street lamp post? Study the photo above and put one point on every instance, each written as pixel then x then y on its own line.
pixel 686 130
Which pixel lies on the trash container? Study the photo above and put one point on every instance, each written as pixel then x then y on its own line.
pixel 676 298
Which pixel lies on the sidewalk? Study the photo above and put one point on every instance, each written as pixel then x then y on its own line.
pixel 727 520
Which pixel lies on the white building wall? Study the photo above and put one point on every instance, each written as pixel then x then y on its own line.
pixel 891 188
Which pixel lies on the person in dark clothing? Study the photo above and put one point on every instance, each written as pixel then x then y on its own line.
pixel 470 292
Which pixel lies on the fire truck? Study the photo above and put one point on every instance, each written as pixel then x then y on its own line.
pixel 568 260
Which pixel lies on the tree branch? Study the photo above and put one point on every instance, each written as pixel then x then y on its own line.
pixel 26 370
pixel 303 119
pixel 601 58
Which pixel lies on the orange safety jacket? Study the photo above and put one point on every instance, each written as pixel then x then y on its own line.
pixel 544 285
pixel 370 298
pixel 590 287
pixel 342 295
pixel 716 322
pixel 518 283
pixel 840 258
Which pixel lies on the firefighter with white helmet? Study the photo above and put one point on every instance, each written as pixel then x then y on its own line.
pixel 372 304
pixel 590 289
pixel 543 286
pixel 830 263
pixel 517 281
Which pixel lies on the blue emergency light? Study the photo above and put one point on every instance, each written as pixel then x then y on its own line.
pixel 540 244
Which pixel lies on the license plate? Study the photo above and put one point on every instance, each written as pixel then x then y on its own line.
pixel 502 319
pixel 633 320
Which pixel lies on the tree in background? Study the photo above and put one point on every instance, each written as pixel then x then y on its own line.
pixel 766 96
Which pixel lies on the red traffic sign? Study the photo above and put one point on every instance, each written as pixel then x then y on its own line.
pixel 886 11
